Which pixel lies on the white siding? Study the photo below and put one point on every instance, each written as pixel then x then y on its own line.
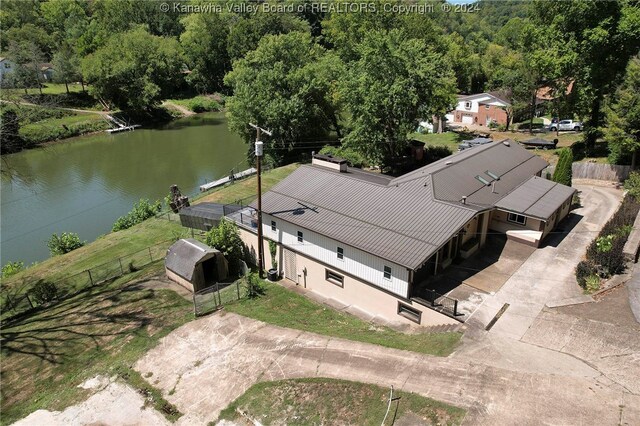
pixel 356 262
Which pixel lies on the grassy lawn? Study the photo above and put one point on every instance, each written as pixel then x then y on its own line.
pixel 102 330
pixel 319 401
pixel 55 89
pixel 247 189
pixel 448 139
pixel 65 127
pixel 198 103
pixel 285 308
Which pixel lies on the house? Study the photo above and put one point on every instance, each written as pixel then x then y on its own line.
pixel 370 241
pixel 195 265
pixel 480 109
pixel 6 68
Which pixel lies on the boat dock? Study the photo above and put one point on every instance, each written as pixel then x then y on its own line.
pixel 121 126
pixel 227 179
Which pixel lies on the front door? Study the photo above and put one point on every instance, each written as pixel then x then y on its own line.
pixel 290 271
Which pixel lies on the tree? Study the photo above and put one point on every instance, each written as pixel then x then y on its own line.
pixel 287 85
pixel 135 70
pixel 66 66
pixel 29 46
pixel 247 32
pixel 395 82
pixel 10 139
pixel 226 239
pixel 204 41
pixel 563 173
pixel 623 117
pixel 597 40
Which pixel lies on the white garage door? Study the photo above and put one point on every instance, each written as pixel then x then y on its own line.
pixel 467 119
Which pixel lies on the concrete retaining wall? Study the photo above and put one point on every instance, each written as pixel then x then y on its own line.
pixel 597 171
pixel 630 250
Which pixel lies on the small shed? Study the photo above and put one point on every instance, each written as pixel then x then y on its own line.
pixel 195 265
pixel 205 216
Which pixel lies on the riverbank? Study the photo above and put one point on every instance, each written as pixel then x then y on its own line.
pixel 56 116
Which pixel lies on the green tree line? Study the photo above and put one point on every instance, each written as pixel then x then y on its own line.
pixel 313 73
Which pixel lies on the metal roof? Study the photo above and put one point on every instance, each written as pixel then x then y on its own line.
pixel 537 197
pixel 184 255
pixel 213 211
pixel 405 219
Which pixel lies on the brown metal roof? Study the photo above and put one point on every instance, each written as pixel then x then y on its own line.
pixel 537 197
pixel 406 219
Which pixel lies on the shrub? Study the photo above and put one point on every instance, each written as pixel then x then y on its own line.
pixel 592 283
pixel 141 211
pixel 562 174
pixel 12 268
pixel 434 153
pixel 353 158
pixel 66 242
pixel 273 248
pixel 255 286
pixel 585 269
pixel 43 292
pixel 203 104
pixel 632 184
pixel 493 125
pixel 226 239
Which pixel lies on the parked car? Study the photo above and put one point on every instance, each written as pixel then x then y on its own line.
pixel 566 125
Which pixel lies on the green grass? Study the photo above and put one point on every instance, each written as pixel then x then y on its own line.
pixel 60 128
pixel 55 89
pixel 285 308
pixel 448 139
pixel 198 103
pixel 319 401
pixel 102 330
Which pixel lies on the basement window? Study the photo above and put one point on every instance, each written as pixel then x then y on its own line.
pixel 300 237
pixel 273 225
pixel 334 278
pixel 387 272
pixel 340 253
pixel 409 312
pixel 467 105
pixel 517 218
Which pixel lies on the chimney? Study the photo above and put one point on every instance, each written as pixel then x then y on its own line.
pixel 330 162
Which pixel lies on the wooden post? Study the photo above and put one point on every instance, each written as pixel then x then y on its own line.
pixel 28 300
pixel 238 288
pixel 121 268
pixel 90 277
pixel 150 257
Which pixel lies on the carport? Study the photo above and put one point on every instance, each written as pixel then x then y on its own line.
pixel 195 265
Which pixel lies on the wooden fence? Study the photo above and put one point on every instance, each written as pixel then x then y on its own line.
pixel 597 171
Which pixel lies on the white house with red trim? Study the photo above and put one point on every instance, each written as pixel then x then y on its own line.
pixel 480 109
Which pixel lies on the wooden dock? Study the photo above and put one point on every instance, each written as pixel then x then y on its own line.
pixel 121 126
pixel 227 179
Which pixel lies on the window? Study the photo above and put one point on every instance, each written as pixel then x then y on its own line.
pixel 340 252
pixel 334 278
pixel 273 225
pixel 300 237
pixel 486 106
pixel 409 313
pixel 467 105
pixel 387 272
pixel 517 218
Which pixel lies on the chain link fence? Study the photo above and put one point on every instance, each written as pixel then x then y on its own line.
pixel 20 298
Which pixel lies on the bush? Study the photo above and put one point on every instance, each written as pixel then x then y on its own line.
pixel 562 174
pixel 203 104
pixel 273 249
pixel 226 239
pixel 632 184
pixel 66 242
pixel 493 125
pixel 585 269
pixel 43 292
pixel 592 283
pixel 434 153
pixel 255 286
pixel 142 211
pixel 353 158
pixel 12 268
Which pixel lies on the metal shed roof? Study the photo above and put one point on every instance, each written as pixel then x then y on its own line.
pixel 213 211
pixel 537 197
pixel 184 255
pixel 406 219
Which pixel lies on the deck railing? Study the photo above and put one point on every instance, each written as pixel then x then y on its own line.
pixel 439 302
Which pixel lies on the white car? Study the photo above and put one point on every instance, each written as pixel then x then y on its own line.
pixel 566 125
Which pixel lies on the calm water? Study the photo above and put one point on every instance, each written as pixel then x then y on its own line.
pixel 85 184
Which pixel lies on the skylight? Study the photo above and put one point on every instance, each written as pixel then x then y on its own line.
pixel 493 175
pixel 483 180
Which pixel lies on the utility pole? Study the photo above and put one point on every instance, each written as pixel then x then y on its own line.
pixel 259 153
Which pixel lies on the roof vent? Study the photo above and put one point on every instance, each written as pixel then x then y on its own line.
pixel 506 143
pixel 464 199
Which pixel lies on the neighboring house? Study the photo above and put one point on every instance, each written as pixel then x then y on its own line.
pixel 371 240
pixel 6 68
pixel 47 72
pixel 480 109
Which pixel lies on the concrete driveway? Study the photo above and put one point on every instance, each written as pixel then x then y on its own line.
pixel 207 363
pixel 547 276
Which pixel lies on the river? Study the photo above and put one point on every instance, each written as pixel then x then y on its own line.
pixel 84 184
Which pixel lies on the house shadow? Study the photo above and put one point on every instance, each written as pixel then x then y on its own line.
pixel 563 229
pixel 462 270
